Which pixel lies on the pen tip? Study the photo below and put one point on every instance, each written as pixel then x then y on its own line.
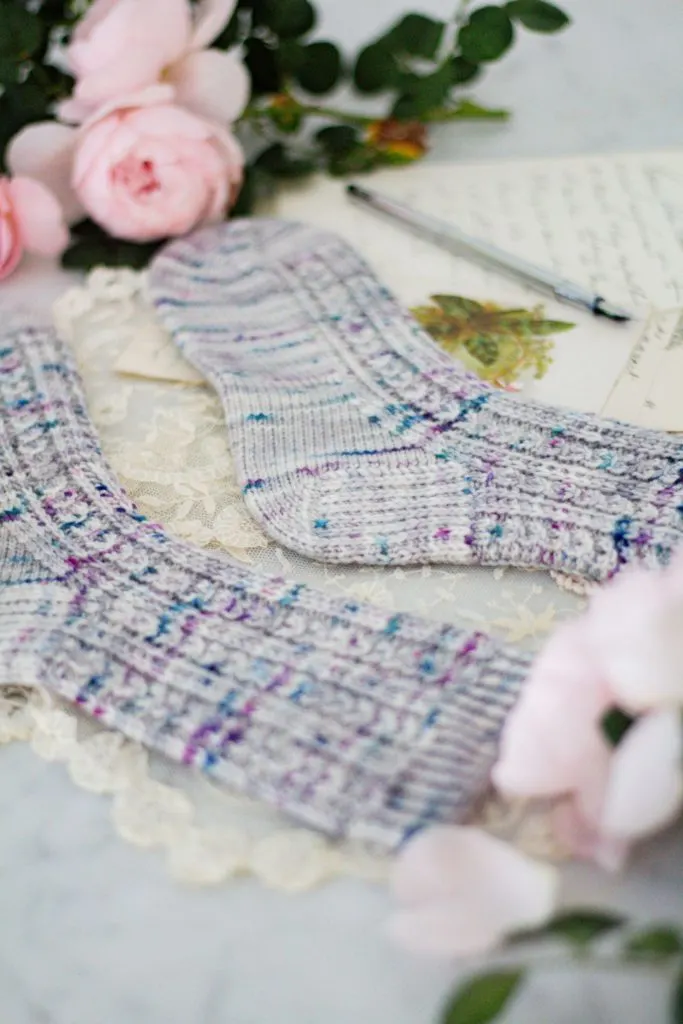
pixel 604 308
pixel 357 192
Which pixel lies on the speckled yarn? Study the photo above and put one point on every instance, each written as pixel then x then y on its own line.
pixel 358 440
pixel 356 721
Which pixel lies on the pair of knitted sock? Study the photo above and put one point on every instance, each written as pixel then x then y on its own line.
pixel 357 440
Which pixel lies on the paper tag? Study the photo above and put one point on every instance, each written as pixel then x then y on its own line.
pixel 648 392
pixel 151 354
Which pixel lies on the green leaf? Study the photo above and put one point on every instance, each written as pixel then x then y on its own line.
pixel 482 998
pixel 578 927
pixel 615 724
pixel 290 19
pixel 655 943
pixel 467 110
pixel 543 327
pixel 420 94
pixel 537 15
pixel 87 253
pixel 457 305
pixel 275 160
pixel 417 36
pixel 21 32
pixel 248 194
pixel 263 67
pixel 338 139
pixel 677 1001
pixel 486 36
pixel 359 160
pixel 320 68
pixel 462 70
pixel 230 35
pixel 376 69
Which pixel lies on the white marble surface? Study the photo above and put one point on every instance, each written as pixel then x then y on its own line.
pixel 93 932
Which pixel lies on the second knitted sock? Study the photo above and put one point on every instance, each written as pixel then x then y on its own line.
pixel 357 440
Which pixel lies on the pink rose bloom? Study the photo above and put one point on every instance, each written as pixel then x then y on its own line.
pixel 625 652
pixel 30 220
pixel 154 172
pixel 460 892
pixel 122 47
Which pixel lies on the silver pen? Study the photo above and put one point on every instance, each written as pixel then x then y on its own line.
pixel 456 241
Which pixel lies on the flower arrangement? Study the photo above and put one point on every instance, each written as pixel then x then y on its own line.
pixel 598 733
pixel 136 114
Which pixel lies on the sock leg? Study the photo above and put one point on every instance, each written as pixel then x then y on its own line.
pixel 357 440
pixel 357 722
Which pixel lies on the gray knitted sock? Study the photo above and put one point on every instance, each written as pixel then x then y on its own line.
pixel 357 440
pixel 357 722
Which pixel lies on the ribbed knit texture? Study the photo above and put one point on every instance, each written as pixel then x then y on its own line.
pixel 355 721
pixel 358 440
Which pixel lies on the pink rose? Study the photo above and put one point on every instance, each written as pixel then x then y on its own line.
pixel 122 47
pixel 626 653
pixel 30 220
pixel 154 172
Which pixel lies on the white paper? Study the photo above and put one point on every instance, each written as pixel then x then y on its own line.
pixel 613 224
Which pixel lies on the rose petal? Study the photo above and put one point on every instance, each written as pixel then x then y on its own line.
pixel 152 95
pixel 45 153
pixel 125 46
pixel 466 890
pixel 212 84
pixel 39 217
pixel 11 247
pixel 211 17
pixel 583 839
pixel 552 732
pixel 645 788
pixel 635 625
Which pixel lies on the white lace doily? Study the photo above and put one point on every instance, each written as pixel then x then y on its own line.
pixel 163 431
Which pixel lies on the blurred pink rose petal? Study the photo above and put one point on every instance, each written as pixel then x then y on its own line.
pixel 150 96
pixel 645 788
pixel 45 152
pixel 212 84
pixel 124 46
pixel 211 17
pixel 463 891
pixel 551 734
pixel 39 217
pixel 11 248
pixel 583 839
pixel 635 626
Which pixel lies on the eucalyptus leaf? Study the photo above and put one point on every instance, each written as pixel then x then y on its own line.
pixel 615 724
pixel 538 15
pixel 320 68
pixel 290 19
pixel 486 36
pixel 463 70
pixel 467 110
pixel 338 139
pixel 659 943
pixel 262 63
pixel 278 162
pixel 420 94
pixel 21 32
pixel 483 998
pixel 677 1001
pixel 578 927
pixel 359 160
pixel 376 69
pixel 88 253
pixel 417 36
